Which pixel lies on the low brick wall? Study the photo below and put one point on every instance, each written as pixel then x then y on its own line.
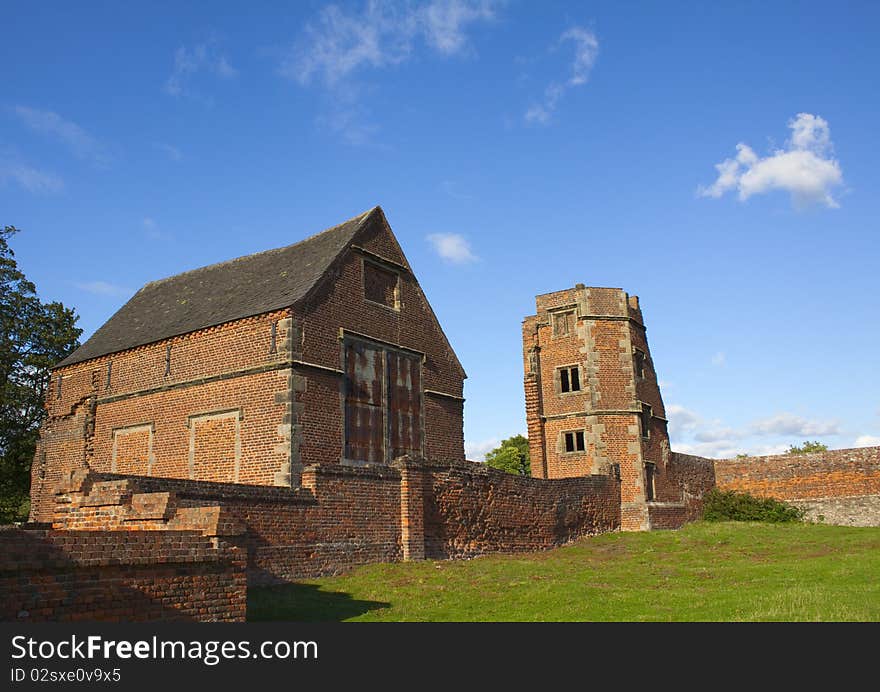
pixel 340 518
pixel 838 486
pixel 119 576
pixel 691 477
pixel 345 516
pixel 471 509
pixel 835 473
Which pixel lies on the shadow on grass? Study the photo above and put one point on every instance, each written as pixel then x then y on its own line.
pixel 304 603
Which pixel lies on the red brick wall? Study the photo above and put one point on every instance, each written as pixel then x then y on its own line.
pixel 342 517
pixel 205 377
pixel 471 509
pixel 119 576
pixel 346 516
pixel 339 304
pixel 232 409
pixel 684 480
pixel 835 473
pixel 173 413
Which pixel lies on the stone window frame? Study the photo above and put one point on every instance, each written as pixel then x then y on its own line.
pixel 645 417
pixel 640 355
pixel 560 442
pixel 191 423
pixel 650 481
pixel 385 268
pixel 557 380
pixel 555 313
pixel 129 430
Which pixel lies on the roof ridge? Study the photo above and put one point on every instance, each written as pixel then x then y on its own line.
pixel 359 217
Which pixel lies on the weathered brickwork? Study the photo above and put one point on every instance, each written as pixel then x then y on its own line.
pixel 585 401
pixel 860 510
pixel 841 486
pixel 119 576
pixel 256 399
pixel 345 516
pixel 835 473
pixel 684 480
pixel 472 509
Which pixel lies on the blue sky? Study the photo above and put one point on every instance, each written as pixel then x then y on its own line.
pixel 719 160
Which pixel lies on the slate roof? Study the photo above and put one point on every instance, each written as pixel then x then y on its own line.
pixel 222 292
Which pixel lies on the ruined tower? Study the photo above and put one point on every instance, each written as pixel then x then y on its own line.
pixel 593 405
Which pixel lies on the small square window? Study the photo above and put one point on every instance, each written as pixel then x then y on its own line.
pixel 645 421
pixel 569 379
pixel 380 285
pixel 574 441
pixel 563 323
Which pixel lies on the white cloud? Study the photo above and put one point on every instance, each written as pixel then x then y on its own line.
pixel 719 360
pixel 805 168
pixel 75 138
pixel 342 42
pixel 170 151
pixel 716 434
pixel 719 449
pixel 152 230
pixel 689 432
pixel 586 51
pixel 452 247
pixel 102 288
pixel 476 451
pixel 867 441
pixel 445 21
pixel 188 62
pixel 681 420
pixel 767 450
pixel 29 178
pixel 789 424
pixel 452 188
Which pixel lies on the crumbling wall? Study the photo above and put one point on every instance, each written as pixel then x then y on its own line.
pixel 842 486
pixel 346 516
pixel 119 576
pixel 691 477
pixel 471 509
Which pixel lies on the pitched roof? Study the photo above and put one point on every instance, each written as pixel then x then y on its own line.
pixel 221 292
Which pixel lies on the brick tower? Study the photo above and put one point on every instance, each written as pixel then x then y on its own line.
pixel 593 404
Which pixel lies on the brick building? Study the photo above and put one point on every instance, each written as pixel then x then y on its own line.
pixel 322 352
pixel 593 405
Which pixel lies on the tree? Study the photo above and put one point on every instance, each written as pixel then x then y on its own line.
pixel 34 336
pixel 808 447
pixel 512 455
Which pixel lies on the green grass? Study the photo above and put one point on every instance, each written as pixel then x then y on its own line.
pixel 729 571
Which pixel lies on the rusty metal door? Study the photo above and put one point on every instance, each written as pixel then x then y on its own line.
pixel 404 404
pixel 364 403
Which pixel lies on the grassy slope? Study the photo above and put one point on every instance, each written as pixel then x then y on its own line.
pixel 706 571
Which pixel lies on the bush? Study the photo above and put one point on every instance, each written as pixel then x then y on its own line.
pixel 807 448
pixel 729 505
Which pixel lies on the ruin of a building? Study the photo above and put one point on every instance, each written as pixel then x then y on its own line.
pixel 299 412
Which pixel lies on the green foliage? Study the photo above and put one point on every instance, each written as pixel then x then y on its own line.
pixel 742 456
pixel 808 447
pixel 729 505
pixel 35 336
pixel 512 455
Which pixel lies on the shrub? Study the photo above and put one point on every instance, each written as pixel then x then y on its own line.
pixel 729 505
pixel 807 448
